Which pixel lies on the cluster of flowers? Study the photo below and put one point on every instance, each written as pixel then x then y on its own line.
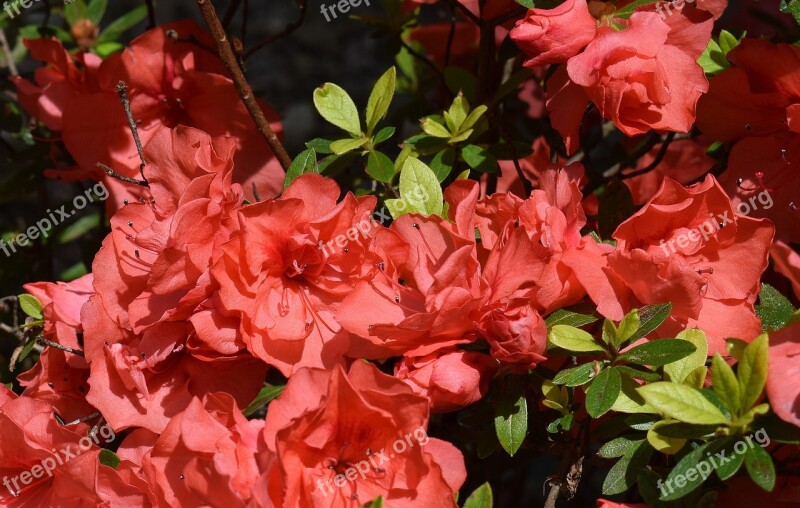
pixel 208 279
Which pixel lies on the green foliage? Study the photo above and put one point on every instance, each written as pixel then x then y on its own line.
pixel 511 414
pixel 481 497
pixel 773 309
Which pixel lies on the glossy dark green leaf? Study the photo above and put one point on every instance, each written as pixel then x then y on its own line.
pixel 603 392
pixel 659 352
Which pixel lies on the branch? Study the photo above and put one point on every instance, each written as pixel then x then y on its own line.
pixel 113 174
pixel 291 27
pixel 659 158
pixel 465 11
pixel 122 91
pixel 151 14
pixel 242 86
pixel 436 70
pixel 45 342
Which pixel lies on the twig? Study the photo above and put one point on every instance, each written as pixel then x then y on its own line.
pixel 526 184
pixel 662 152
pixel 450 36
pixel 151 14
pixel 45 342
pixel 242 86
pixel 291 27
pixel 48 8
pixel 12 65
pixel 82 419
pixel 113 174
pixel 122 90
pixel 421 58
pixel 465 11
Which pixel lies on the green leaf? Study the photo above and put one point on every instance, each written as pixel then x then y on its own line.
pixel 109 458
pixel 630 400
pixel 26 350
pixel 511 417
pixel 642 373
pixel 677 372
pixel 685 476
pixel 433 128
pixel 774 309
pixel 460 137
pixel 573 339
pixel 105 49
pixel 384 134
pixel 567 317
pixel 792 7
pixel 375 503
pixel 603 392
pixel 650 318
pixel 665 444
pixel 479 159
pixel 473 118
pixel 609 335
pixel 419 191
pixel 341 146
pixel 380 99
pixel 677 429
pixel 564 422
pixel 380 167
pixel 95 10
pixel 335 106
pixel 321 145
pixel 628 327
pixel 481 497
pixel 725 384
pixel 30 305
pixel 458 113
pixel 752 371
pixel 305 162
pixel 681 403
pixel 442 163
pixel 122 24
pixel 624 472
pixel 760 467
pixel 74 11
pixel 727 41
pixel 576 376
pixel 659 352
pixel 713 59
pixel 619 447
pixel 726 469
pixel 265 395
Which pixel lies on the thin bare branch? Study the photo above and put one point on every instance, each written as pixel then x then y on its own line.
pixel 240 82
pixel 291 27
pixel 113 174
